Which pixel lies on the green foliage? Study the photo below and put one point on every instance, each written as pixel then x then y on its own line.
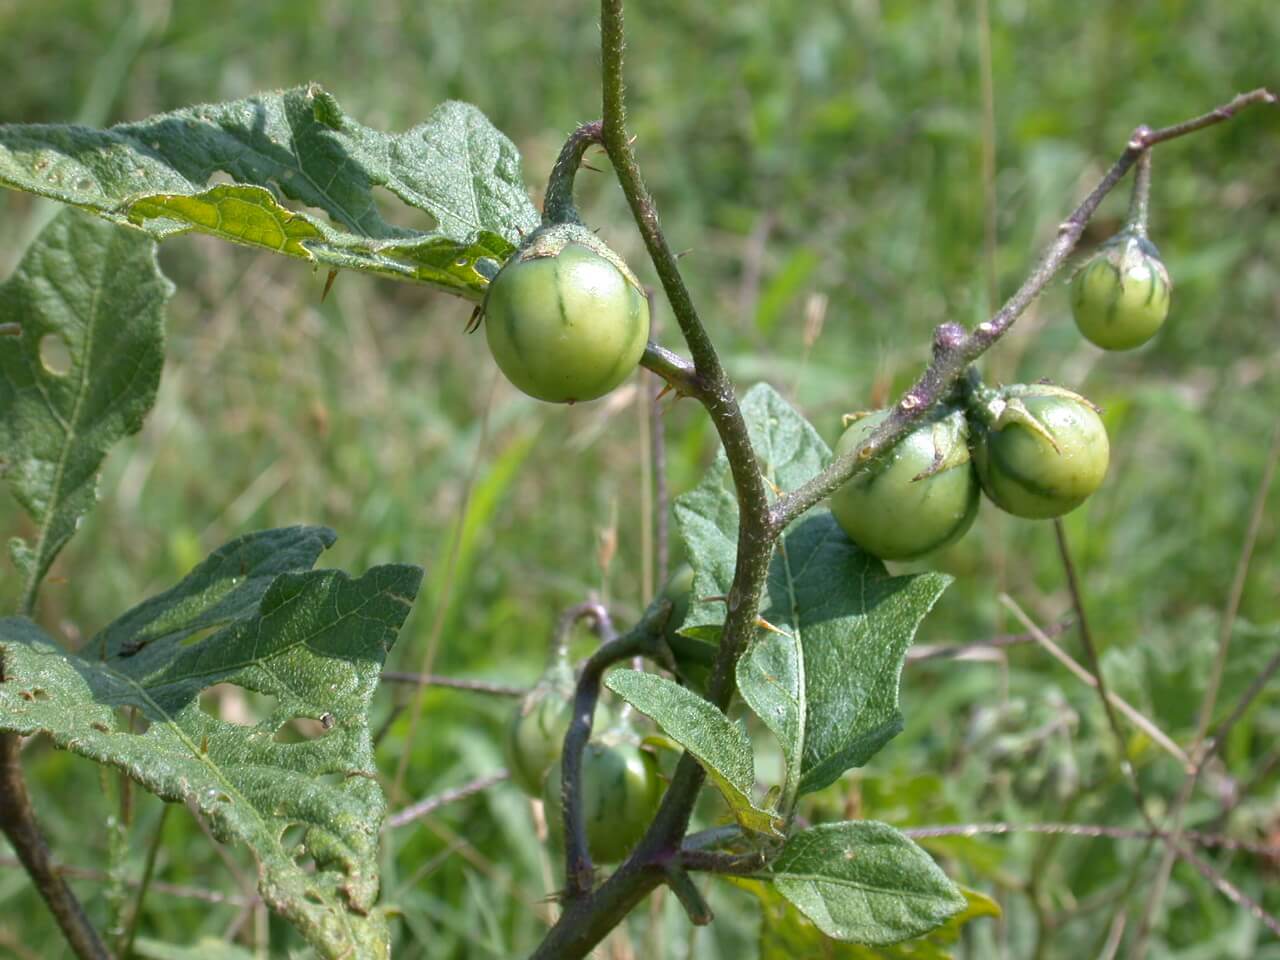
pixel 296 146
pixel 718 744
pixel 314 641
pixel 825 680
pixel 864 882
pixel 95 293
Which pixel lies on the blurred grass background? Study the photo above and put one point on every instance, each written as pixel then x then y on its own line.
pixel 824 170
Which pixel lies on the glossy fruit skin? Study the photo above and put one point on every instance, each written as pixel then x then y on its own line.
pixel 895 511
pixel 1120 298
pixel 620 794
pixel 565 319
pixel 1021 471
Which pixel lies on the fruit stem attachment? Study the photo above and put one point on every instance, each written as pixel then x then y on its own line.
pixel 558 205
pixel 1140 199
pixel 643 640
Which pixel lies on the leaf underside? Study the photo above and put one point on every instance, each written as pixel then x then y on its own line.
pixel 289 172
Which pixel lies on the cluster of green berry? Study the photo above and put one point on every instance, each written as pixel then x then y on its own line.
pixel 1035 450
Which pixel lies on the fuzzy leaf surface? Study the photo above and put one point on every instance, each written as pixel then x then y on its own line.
pixel 786 933
pixel 825 679
pixel 315 642
pixel 96 291
pixel 290 172
pixel 864 882
pixel 700 727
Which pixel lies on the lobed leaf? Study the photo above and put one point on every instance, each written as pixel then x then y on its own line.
pixel 289 172
pixel 96 292
pixel 825 678
pixel 315 641
pixel 700 727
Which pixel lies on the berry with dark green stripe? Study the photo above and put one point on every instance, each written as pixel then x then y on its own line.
pixel 1120 298
pixel 565 318
pixel 1040 450
pixel 919 496
pixel 620 793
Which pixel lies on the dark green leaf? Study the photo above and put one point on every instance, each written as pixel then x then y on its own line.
pixel 303 177
pixel 827 684
pixel 864 882
pixel 314 641
pixel 719 745
pixel 94 293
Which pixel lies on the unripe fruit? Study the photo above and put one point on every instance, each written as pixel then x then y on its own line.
pixel 565 318
pixel 918 496
pixel 535 735
pixel 1042 452
pixel 620 794
pixel 1120 298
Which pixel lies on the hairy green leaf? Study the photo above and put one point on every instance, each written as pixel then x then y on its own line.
pixel 289 172
pixel 864 882
pixel 314 641
pixel 825 679
pixel 80 358
pixel 715 741
pixel 785 933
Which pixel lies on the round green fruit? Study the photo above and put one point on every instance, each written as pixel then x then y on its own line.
pixel 1044 454
pixel 1120 298
pixel 535 738
pixel 920 495
pixel 565 318
pixel 620 793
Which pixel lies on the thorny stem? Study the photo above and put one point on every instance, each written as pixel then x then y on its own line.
pixel 1140 199
pixel 18 822
pixel 954 350
pixel 590 914
pixel 558 205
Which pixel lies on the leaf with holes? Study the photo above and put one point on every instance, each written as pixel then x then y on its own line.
pixel 864 882
pixel 80 360
pixel 254 615
pixel 302 180
pixel 715 741
pixel 825 678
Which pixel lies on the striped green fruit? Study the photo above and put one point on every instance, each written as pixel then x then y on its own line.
pixel 565 318
pixel 1045 452
pixel 1120 298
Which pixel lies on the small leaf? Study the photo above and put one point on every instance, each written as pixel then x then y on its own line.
pixel 785 933
pixel 315 641
pixel 864 882
pixel 697 725
pixel 303 180
pixel 91 297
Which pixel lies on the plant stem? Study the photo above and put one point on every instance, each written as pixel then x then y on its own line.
pixel 18 821
pixel 558 205
pixel 954 350
pixel 1140 200
pixel 641 640
pixel 148 871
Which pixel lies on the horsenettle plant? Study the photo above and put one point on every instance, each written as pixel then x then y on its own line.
pixel 787 611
